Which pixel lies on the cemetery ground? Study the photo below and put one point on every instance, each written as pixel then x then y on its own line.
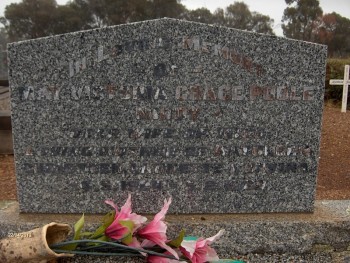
pixel 334 169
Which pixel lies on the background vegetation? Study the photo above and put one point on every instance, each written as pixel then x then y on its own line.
pixel 335 70
pixel 302 19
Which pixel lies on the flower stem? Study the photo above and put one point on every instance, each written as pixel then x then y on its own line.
pixel 104 245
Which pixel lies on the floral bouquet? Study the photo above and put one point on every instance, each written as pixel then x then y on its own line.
pixel 123 233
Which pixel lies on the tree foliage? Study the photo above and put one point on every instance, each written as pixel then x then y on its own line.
pixel 202 15
pixel 38 18
pixel 239 16
pixel 3 39
pixel 299 18
pixel 72 17
pixel 166 8
pixel 236 15
pixel 304 20
pixel 30 19
pixel 109 12
pixel 333 30
pixel 114 12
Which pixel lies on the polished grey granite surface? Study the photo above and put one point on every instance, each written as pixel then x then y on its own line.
pixel 221 120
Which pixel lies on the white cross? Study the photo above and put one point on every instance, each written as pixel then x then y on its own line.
pixel 345 82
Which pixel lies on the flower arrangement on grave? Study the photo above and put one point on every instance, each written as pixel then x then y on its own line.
pixel 124 233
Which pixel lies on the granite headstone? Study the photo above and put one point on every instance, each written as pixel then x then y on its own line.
pixel 221 120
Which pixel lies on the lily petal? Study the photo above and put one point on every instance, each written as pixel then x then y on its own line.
pixel 161 214
pixel 199 251
pixel 112 204
pixel 155 231
pixel 215 237
pixel 116 231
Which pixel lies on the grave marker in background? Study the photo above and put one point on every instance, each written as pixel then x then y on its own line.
pixel 222 120
pixel 345 83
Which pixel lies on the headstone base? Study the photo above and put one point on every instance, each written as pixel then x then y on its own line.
pixel 322 236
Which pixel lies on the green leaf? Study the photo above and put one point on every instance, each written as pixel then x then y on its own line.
pixel 77 233
pixel 104 238
pixel 78 227
pixel 127 239
pixel 86 234
pixel 107 220
pixel 177 241
pixel 128 224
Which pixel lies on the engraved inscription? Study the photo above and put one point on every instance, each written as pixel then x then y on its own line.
pixel 149 152
pixel 195 92
pixel 223 51
pixel 249 167
pixel 93 133
pixel 282 93
pixel 152 153
pixel 181 113
pixel 76 66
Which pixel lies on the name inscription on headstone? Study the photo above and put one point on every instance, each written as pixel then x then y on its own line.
pixel 203 114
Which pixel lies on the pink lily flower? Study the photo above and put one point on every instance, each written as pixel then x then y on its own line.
pixel 118 231
pixel 199 251
pixel 155 231
pixel 158 259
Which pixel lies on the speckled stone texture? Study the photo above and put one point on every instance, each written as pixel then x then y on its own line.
pixel 221 120
pixel 322 236
pixel 251 258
